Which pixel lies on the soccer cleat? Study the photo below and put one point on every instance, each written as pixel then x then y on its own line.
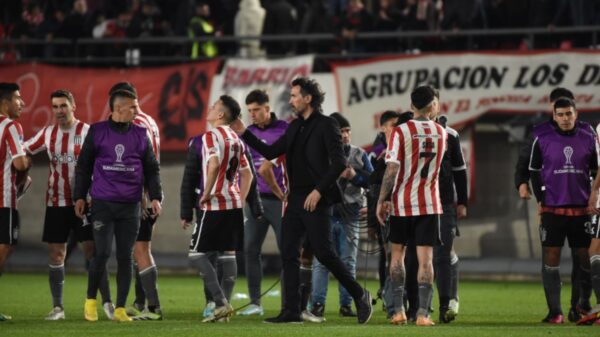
pixel 121 315
pixel 346 311
pixel 589 319
pixel 399 318
pixel 285 317
pixel 109 310
pixel 308 316
pixel 253 309
pixel 149 316
pixel 452 312
pixel 208 310
pixel 224 311
pixel 573 315
pixel 4 317
pixel 134 310
pixel 90 311
pixel 554 319
pixel 424 321
pixel 364 307
pixel 56 314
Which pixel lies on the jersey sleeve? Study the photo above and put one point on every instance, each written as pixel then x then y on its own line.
pixel 37 143
pixel 393 148
pixel 14 135
pixel 211 145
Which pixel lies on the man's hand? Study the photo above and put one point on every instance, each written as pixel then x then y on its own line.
pixel 205 198
pixel 524 192
pixel 461 211
pixel 349 173
pixel 593 203
pixel 310 204
pixel 186 224
pixel 383 210
pixel 80 208
pixel 238 126
pixel 156 208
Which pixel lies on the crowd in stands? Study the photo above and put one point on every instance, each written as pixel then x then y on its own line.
pixel 98 19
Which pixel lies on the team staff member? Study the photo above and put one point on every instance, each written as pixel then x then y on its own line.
pixel 562 158
pixel 146 273
pixel 413 158
pixel 13 159
pixel 118 154
pixel 62 142
pixel 314 160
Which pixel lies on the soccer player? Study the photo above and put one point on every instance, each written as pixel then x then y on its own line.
pixel 413 157
pixel 62 142
pixel 344 221
pixel 13 159
pixel 580 277
pixel 453 180
pixel 562 158
pixel 118 154
pixel 593 316
pixel 226 180
pixel 271 185
pixel 146 274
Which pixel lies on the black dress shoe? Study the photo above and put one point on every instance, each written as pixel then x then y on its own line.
pixel 346 311
pixel 364 307
pixel 285 317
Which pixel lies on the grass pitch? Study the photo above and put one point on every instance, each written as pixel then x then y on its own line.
pixel 487 309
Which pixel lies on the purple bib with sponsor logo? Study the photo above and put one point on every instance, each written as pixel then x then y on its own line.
pixel 566 169
pixel 118 170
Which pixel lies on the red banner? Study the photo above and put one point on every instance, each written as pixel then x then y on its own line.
pixel 175 96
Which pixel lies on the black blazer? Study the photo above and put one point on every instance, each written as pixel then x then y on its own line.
pixel 323 151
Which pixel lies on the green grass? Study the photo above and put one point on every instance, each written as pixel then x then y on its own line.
pixel 487 309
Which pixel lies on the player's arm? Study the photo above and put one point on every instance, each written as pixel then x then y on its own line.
pixel 268 151
pixel 459 173
pixel 522 174
pixel 189 182
pixel 246 177
pixel 212 171
pixel 253 198
pixel 387 185
pixel 593 200
pixel 266 172
pixel 83 173
pixel 535 168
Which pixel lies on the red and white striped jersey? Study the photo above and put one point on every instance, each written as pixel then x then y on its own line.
pixel 11 147
pixel 223 143
pixel 62 147
pixel 418 147
pixel 144 120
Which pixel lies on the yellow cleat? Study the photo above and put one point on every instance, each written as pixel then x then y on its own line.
pixel 121 315
pixel 90 311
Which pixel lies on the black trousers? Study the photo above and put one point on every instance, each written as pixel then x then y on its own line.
pixel 298 223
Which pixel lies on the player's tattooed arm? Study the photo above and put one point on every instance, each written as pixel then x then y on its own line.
pixel 389 178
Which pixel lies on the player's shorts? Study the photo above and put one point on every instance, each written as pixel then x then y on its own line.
pixel 218 231
pixel 555 228
pixel 60 221
pixel 9 226
pixel 146 225
pixel 421 230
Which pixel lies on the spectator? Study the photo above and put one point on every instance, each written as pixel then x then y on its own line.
pixel 200 25
pixel 354 19
pixel 249 21
pixel 281 19
pixel 317 20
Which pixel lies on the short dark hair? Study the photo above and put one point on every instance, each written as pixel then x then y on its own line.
pixel 564 102
pixel 257 96
pixel 63 93
pixel 232 108
pixel 560 92
pixel 405 117
pixel 122 86
pixel 310 87
pixel 120 93
pixel 7 90
pixel 387 115
pixel 421 97
pixel 436 92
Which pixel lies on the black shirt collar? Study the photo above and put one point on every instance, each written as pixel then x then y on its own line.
pixel 118 126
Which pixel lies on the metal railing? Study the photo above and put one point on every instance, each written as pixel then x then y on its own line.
pixel 175 49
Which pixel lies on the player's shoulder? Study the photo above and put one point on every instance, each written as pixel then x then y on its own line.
pixel 451 132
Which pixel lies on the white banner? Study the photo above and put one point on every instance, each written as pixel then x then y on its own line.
pixel 470 84
pixel 240 76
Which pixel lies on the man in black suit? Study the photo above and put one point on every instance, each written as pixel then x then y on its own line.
pixel 314 159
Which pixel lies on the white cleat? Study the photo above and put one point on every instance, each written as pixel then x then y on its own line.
pixel 221 314
pixel 452 309
pixel 109 310
pixel 209 309
pixel 252 309
pixel 308 316
pixel 56 314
